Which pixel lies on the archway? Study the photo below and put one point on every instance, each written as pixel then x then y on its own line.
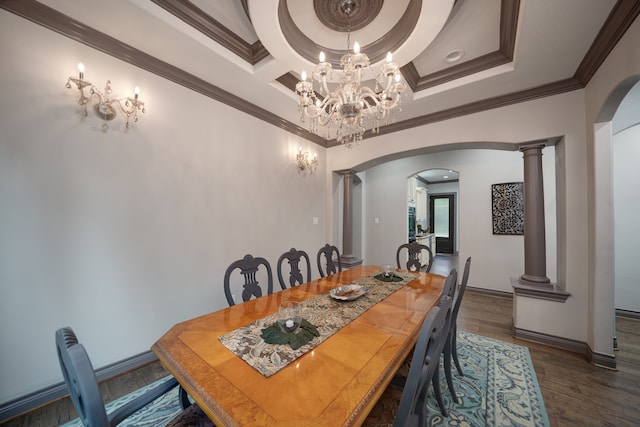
pixel 601 281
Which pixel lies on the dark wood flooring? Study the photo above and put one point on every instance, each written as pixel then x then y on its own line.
pixel 575 392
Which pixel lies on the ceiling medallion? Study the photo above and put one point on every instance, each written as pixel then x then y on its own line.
pixel 330 13
pixel 351 104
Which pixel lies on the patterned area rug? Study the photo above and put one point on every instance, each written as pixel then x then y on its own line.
pixel 499 388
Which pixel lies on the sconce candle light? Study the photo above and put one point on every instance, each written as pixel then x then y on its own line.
pixel 305 163
pixel 105 106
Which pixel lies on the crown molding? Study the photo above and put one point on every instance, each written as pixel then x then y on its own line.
pixel 620 19
pixel 618 22
pixel 76 30
pixel 207 25
pixel 509 10
pixel 543 91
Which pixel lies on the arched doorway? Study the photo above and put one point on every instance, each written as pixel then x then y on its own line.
pixel 602 273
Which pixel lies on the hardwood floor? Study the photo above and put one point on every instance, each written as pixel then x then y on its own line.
pixel 575 392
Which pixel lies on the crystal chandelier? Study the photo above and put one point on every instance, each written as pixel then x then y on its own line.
pixel 352 105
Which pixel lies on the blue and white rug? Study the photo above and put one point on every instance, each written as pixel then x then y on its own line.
pixel 499 388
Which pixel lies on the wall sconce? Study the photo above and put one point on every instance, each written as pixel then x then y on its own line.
pixel 105 106
pixel 304 163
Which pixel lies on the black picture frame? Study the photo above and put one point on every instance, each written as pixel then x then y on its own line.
pixel 507 208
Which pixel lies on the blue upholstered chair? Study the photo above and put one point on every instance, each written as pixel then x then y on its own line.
pixel 294 257
pixel 326 257
pixel 248 267
pixel 85 394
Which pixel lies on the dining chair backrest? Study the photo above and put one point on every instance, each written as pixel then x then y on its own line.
pixel 414 261
pixel 80 379
pixel 84 391
pixel 294 257
pixel 326 257
pixel 449 288
pixel 424 366
pixel 463 286
pixel 248 267
pixel 453 328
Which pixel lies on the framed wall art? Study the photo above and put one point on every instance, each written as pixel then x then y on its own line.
pixel 507 206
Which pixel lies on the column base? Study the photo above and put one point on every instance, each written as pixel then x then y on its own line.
pixel 350 261
pixel 547 291
pixel 541 281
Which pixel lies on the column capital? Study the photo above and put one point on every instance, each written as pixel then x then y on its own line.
pixel 537 147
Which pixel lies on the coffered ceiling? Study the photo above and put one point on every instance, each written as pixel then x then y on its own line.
pixel 456 56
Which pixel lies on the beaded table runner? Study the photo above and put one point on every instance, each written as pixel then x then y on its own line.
pixel 327 314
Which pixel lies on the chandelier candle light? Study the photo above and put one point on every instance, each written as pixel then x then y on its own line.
pixel 351 105
pixel 105 107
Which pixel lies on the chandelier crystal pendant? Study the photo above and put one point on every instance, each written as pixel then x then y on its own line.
pixel 351 106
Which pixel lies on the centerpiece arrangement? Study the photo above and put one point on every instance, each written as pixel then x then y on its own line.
pixel 290 327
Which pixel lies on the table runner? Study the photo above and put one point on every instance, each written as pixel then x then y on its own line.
pixel 327 314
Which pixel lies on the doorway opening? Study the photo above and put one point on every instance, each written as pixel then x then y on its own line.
pixel 434 193
pixel 442 221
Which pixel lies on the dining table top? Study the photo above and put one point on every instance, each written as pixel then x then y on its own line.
pixel 336 383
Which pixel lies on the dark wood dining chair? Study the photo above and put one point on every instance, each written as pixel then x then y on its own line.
pixel 411 408
pixel 294 257
pixel 326 257
pixel 448 293
pixel 413 260
pixel 84 390
pixel 400 379
pixel 248 267
pixel 453 329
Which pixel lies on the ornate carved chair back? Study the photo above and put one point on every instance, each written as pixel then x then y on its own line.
pixel 332 265
pixel 414 261
pixel 248 267
pixel 294 257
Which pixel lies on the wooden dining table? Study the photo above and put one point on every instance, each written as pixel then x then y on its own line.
pixel 336 383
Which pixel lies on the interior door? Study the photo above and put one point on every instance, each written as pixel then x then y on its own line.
pixel 442 221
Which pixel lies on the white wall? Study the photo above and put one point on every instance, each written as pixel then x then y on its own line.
pixel 626 193
pixel 123 234
pixel 495 258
